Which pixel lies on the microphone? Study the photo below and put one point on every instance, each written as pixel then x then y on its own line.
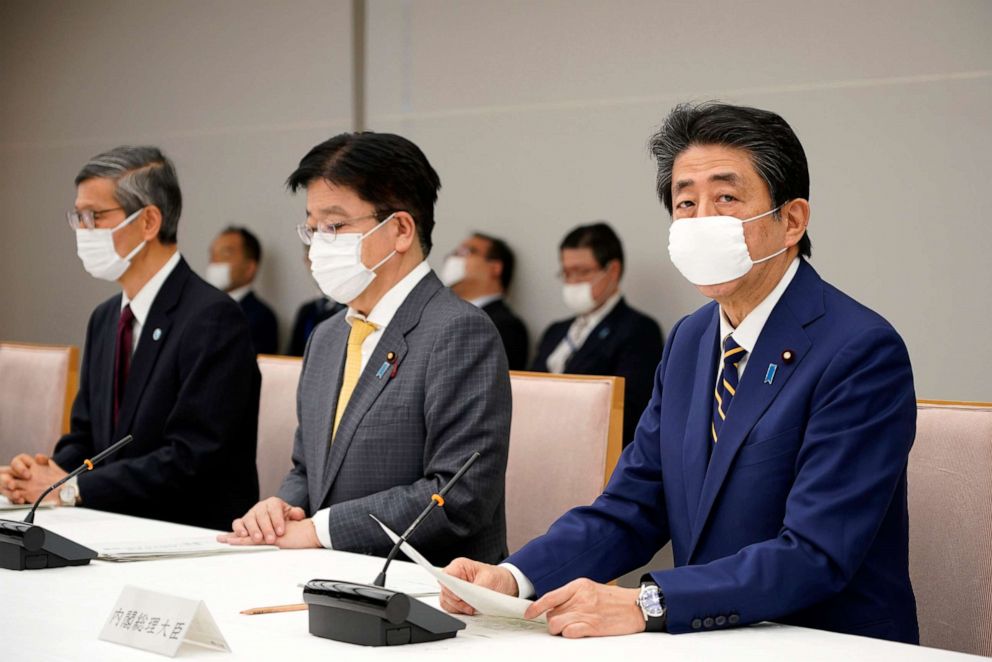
pixel 370 615
pixel 437 500
pixel 87 465
pixel 25 546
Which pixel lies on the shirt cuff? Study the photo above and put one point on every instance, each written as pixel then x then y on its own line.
pixel 74 483
pixel 525 589
pixel 322 523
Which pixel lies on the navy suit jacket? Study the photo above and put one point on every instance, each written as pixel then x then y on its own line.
pixel 512 332
pixel 308 317
pixel 262 324
pixel 800 515
pixel 191 402
pixel 626 343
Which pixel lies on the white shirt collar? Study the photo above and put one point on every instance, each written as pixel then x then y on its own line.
pixel 747 332
pixel 240 293
pixel 142 302
pixel 482 302
pixel 592 320
pixel 391 301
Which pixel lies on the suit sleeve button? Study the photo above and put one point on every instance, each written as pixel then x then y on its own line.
pixel 708 622
pixel 721 620
pixel 734 619
pixel 696 624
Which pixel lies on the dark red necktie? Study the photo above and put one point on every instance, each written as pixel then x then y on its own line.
pixel 122 359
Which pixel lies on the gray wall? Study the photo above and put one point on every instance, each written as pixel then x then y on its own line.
pixel 536 114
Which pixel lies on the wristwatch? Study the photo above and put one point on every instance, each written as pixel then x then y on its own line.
pixel 652 603
pixel 68 494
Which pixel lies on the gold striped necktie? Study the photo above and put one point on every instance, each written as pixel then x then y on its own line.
pixel 727 388
pixel 360 330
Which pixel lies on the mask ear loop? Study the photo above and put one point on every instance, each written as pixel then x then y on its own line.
pixel 385 259
pixel 773 255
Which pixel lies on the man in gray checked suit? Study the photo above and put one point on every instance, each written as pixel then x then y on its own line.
pixel 399 390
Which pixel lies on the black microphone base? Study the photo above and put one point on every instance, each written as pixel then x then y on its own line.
pixel 28 547
pixel 373 616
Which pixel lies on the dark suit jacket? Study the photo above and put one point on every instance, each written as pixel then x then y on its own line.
pixel 191 402
pixel 308 317
pixel 262 324
pixel 512 332
pixel 626 343
pixel 800 514
pixel 409 426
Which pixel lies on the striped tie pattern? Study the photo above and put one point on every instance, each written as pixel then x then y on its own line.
pixel 727 387
pixel 360 330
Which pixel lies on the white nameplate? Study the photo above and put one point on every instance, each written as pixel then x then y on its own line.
pixel 161 623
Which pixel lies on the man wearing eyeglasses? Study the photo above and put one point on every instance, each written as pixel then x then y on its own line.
pixel 168 360
pixel 400 389
pixel 606 336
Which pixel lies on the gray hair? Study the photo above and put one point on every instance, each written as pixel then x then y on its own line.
pixel 144 176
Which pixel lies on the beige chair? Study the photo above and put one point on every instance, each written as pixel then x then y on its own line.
pixel 565 439
pixel 950 518
pixel 276 420
pixel 37 386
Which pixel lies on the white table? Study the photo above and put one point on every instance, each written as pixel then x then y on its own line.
pixel 57 614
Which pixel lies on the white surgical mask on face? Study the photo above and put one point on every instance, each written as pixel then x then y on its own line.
pixel 336 264
pixel 453 271
pixel 709 250
pixel 219 275
pixel 578 297
pixel 96 249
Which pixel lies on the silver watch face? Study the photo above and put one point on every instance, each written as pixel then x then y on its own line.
pixel 67 495
pixel 650 601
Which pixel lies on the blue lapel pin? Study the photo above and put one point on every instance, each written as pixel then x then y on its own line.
pixel 770 375
pixel 156 334
pixel 604 332
pixel 382 370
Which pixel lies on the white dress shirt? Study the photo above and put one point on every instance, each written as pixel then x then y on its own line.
pixel 746 335
pixel 482 302
pixel 239 293
pixel 578 333
pixel 380 316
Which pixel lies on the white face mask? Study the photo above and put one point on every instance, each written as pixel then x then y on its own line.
pixel 578 297
pixel 453 271
pixel 219 275
pixel 336 264
pixel 709 250
pixel 96 249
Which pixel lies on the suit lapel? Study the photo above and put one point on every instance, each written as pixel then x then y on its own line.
pixel 334 375
pixel 105 398
pixel 695 450
pixel 154 335
pixel 370 384
pixel 599 336
pixel 800 304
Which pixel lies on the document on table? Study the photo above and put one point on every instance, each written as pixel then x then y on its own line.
pixel 5 504
pixel 172 548
pixel 484 600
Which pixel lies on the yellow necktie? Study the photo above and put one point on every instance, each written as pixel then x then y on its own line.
pixel 360 330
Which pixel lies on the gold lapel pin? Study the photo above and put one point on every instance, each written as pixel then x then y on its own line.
pixel 788 355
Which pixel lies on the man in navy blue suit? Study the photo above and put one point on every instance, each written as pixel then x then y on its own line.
pixel 168 359
pixel 606 336
pixel 235 256
pixel 773 452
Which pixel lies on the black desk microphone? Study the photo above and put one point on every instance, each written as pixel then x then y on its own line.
pixel 24 546
pixel 371 615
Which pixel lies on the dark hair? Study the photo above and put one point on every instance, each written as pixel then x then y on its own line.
pixel 600 238
pixel 500 252
pixel 385 170
pixel 142 176
pixel 775 151
pixel 249 242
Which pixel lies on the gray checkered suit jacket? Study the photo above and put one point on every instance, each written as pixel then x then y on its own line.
pixel 407 431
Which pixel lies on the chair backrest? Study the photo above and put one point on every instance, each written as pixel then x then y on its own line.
pixel 37 386
pixel 565 439
pixel 276 420
pixel 950 518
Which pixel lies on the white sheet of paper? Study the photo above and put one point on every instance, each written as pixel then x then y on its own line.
pixel 484 600
pixel 148 550
pixel 161 623
pixel 5 504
